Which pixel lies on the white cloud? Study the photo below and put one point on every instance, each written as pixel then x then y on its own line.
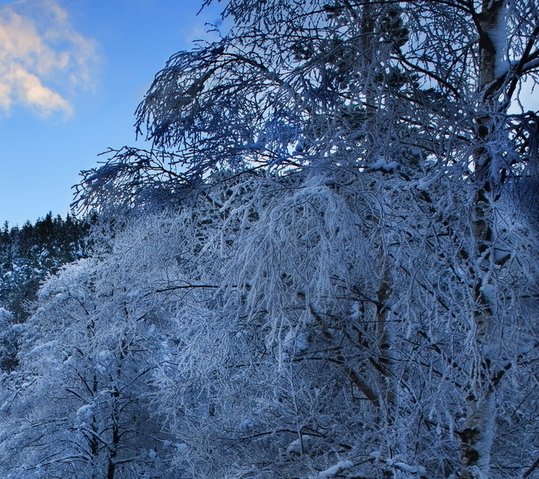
pixel 42 58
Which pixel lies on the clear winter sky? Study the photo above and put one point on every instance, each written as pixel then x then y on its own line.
pixel 72 73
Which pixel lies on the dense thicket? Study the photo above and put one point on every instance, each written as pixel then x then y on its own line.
pixel 323 268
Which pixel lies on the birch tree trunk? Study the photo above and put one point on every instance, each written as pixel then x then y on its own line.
pixel 486 369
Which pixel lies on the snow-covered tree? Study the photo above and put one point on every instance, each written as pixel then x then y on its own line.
pixel 355 286
pixel 343 332
pixel 78 404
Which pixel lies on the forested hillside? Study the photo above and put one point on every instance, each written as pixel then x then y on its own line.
pixel 326 267
pixel 28 255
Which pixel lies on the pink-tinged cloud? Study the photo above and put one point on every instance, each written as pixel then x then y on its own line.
pixel 43 59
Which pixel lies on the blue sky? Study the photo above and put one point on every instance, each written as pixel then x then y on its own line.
pixel 72 73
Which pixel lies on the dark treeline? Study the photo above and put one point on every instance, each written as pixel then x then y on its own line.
pixel 30 253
